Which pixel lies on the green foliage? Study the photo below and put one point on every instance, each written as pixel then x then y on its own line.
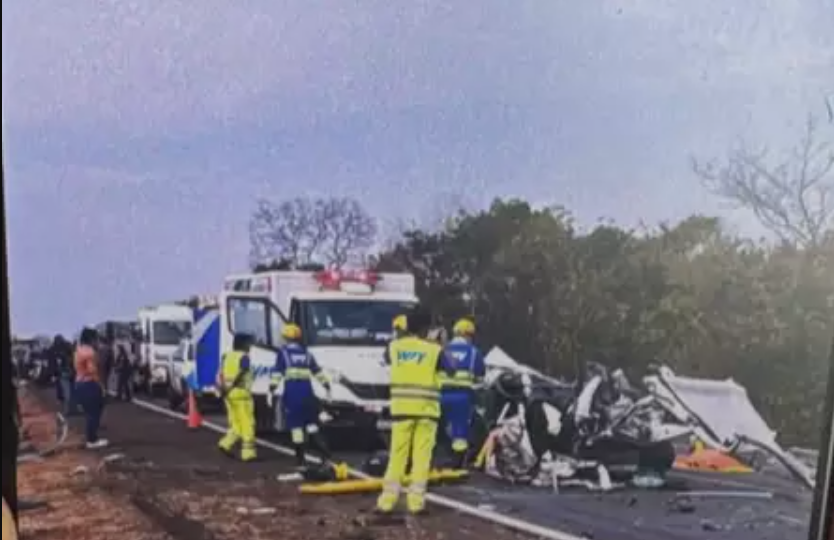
pixel 689 295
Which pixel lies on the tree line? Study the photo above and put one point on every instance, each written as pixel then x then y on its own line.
pixel 555 295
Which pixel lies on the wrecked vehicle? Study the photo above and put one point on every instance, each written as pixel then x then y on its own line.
pixel 542 431
pixel 549 432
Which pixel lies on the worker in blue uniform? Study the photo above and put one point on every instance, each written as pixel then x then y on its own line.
pixel 235 380
pixel 295 367
pixel 458 389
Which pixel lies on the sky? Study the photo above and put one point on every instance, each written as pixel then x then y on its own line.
pixel 138 135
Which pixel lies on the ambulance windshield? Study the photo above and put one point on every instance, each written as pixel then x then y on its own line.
pixel 350 322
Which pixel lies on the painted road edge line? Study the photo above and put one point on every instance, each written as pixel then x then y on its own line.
pixel 467 509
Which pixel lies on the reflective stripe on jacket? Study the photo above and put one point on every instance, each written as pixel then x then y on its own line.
pixel 236 374
pixel 467 364
pixel 415 384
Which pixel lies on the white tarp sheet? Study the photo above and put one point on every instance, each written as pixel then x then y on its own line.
pixel 497 358
pixel 723 405
pixel 497 361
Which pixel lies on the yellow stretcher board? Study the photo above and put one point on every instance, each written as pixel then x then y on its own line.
pixel 373 484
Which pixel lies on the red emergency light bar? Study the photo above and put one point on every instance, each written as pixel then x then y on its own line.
pixel 333 279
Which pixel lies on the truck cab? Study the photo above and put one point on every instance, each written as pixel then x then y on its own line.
pixel 162 329
pixel 193 366
pixel 345 319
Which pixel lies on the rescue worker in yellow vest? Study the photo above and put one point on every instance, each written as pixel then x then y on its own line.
pixel 296 367
pixel 458 391
pixel 235 381
pixel 415 411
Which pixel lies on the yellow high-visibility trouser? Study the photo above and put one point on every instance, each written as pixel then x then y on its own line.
pixel 415 439
pixel 240 413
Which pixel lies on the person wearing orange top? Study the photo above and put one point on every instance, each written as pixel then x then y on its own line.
pixel 89 391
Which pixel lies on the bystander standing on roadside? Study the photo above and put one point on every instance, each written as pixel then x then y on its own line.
pixel 89 389
pixel 124 373
pixel 61 360
pixel 107 359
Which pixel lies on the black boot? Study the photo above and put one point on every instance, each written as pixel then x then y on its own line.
pixel 321 445
pixel 300 456
pixel 460 460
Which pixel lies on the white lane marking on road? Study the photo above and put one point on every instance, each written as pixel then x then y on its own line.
pixel 724 482
pixel 485 515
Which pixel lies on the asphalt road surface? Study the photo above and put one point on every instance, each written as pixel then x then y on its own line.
pixel 693 507
pixel 180 481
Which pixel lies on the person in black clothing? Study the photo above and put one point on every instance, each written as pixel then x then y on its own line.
pixel 107 362
pixel 61 363
pixel 124 373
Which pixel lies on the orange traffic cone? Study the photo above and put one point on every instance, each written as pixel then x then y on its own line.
pixel 195 419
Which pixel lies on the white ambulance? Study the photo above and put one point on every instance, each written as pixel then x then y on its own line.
pixel 345 318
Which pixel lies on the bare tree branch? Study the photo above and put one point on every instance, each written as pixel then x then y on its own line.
pixel 791 198
pixel 350 230
pixel 304 232
pixel 275 232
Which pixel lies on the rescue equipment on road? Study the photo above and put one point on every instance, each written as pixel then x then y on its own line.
pixel 372 485
pixel 330 472
pixel 711 460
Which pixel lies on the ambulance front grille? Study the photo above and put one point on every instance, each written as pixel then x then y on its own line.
pixel 370 392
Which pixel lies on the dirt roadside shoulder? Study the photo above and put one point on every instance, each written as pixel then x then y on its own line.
pixel 161 481
pixel 77 507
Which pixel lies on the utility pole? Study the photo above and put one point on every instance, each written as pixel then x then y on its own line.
pixel 8 393
pixel 822 517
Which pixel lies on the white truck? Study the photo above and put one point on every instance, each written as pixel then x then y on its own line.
pixel 345 319
pixel 162 328
pixel 185 372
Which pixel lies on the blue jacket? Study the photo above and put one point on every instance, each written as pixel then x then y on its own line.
pixel 466 362
pixel 296 368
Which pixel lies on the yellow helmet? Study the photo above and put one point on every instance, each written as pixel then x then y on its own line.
pixel 464 327
pixel 400 323
pixel 291 332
